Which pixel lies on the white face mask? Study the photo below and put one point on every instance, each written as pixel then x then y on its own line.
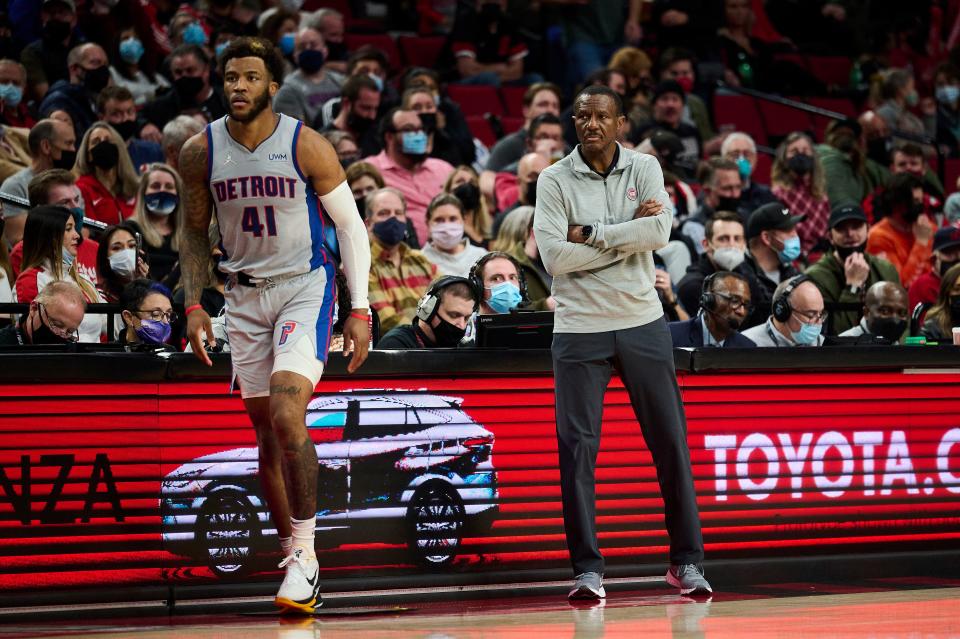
pixel 446 235
pixel 728 257
pixel 124 263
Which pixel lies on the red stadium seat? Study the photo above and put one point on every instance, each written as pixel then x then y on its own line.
pixel 761 172
pixel 831 70
pixel 739 113
pixel 476 100
pixel 950 175
pixel 481 129
pixel 840 105
pixel 511 124
pixel 513 100
pixel 780 120
pixel 343 6
pixel 421 51
pixel 379 40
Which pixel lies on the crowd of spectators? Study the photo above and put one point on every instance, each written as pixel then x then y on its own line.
pixel 840 230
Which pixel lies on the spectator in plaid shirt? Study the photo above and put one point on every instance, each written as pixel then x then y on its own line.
pixel 399 275
pixel 798 181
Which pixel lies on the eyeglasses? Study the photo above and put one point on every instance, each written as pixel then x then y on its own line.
pixel 160 316
pixel 812 317
pixel 56 328
pixel 735 302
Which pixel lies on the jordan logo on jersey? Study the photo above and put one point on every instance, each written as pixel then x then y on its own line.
pixel 255 186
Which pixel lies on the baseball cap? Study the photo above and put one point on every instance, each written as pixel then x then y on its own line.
pixel 771 217
pixel 667 145
pixel 846 212
pixel 669 86
pixel 946 238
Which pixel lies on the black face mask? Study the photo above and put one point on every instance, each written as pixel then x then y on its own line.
pixel 878 150
pixel 530 193
pixel 347 160
pixel 66 160
pixel 95 79
pixel 43 335
pixel 890 328
pixel 310 61
pixel 105 155
pixel 913 212
pixel 725 203
pixel 469 194
pixel 56 31
pixel 429 122
pixel 946 266
pixel 187 88
pixel 955 310
pixel 843 252
pixel 801 164
pixel 358 123
pixel 127 129
pixel 448 335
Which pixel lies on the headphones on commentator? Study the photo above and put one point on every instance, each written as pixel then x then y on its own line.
pixel 476 273
pixel 781 308
pixel 429 304
pixel 708 300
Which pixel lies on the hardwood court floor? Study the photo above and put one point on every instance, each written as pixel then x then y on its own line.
pixel 887 609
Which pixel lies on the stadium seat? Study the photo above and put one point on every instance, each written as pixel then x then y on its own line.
pixel 761 172
pixel 950 174
pixel 513 100
pixel 511 123
pixel 476 100
pixel 379 40
pixel 739 113
pixel 421 51
pixel 831 70
pixel 839 105
pixel 481 129
pixel 780 120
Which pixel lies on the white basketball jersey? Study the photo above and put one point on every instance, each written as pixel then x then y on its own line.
pixel 271 220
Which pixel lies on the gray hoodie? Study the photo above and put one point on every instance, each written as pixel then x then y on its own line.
pixel 607 283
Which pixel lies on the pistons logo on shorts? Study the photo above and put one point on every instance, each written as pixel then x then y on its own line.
pixel 631 193
pixel 285 331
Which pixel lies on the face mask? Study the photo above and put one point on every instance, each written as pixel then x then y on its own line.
pixel 95 79
pixel 127 129
pixel 843 252
pixel 790 250
pixel 390 232
pixel 124 263
pixel 194 34
pixel 728 258
pixel 220 48
pixel 447 235
pixel 67 258
pixel 955 310
pixel 310 61
pixel 359 123
pixel 947 95
pixel 66 160
pixel 413 143
pixel 801 164
pixel 744 167
pixel 469 194
pixel 376 80
pixel 43 335
pixel 153 331
pixel 503 297
pixel 131 50
pixel 56 31
pixel 187 88
pixel 807 335
pixel 161 202
pixel 286 44
pixel 429 122
pixel 725 203
pixel 530 193
pixel 913 212
pixel 685 83
pixel 912 98
pixel 347 160
pixel 448 335
pixel 889 327
pixel 105 155
pixel 946 266
pixel 11 95
pixel 878 150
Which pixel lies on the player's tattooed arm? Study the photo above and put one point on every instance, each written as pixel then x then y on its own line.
pixel 194 238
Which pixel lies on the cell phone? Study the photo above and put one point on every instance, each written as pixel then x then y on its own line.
pixel 139 240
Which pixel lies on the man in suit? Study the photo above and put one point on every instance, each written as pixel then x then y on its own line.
pixel 724 304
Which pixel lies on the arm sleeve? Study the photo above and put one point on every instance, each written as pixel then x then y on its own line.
pixel 550 225
pixel 354 243
pixel 643 234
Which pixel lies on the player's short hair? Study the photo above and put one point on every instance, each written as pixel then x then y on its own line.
pixel 254 48
pixel 599 89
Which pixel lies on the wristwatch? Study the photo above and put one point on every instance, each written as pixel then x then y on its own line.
pixel 586 231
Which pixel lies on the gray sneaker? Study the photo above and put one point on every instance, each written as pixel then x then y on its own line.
pixel 589 585
pixel 689 579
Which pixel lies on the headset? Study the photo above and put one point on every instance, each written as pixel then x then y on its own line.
pixel 708 300
pixel 429 304
pixel 476 273
pixel 781 308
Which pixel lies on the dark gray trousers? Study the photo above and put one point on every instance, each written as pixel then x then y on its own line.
pixel 582 366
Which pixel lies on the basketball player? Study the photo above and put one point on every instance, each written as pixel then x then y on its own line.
pixel 274 185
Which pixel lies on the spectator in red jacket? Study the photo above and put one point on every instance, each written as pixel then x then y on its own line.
pixel 106 176
pixel 946 253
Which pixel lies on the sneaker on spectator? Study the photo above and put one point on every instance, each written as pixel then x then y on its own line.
pixel 589 585
pixel 689 579
pixel 300 590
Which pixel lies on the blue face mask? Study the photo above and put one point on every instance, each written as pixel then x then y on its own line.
pixel 67 257
pixel 161 202
pixel 220 48
pixel 743 166
pixel 376 80
pixel 807 335
pixel 11 95
pixel 286 44
pixel 948 94
pixel 503 297
pixel 153 331
pixel 414 142
pixel 390 232
pixel 194 34
pixel 790 251
pixel 131 50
